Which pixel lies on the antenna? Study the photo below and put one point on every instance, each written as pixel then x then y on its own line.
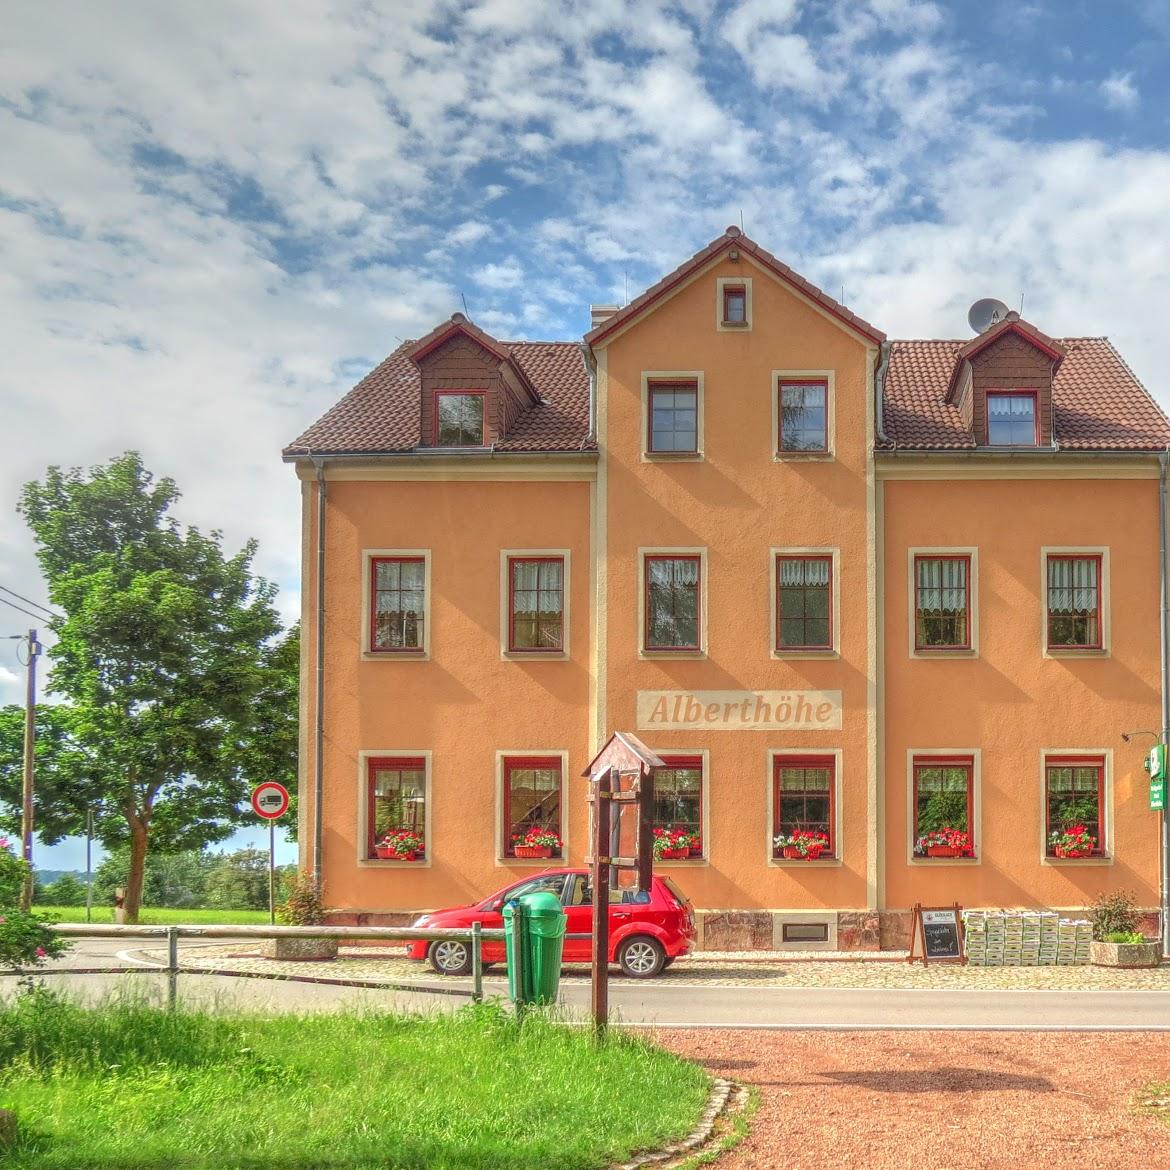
pixel 741 219
pixel 625 288
pixel 466 312
pixel 1021 302
pixel 985 313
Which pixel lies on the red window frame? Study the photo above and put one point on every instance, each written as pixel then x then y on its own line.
pixel 781 450
pixel 673 762
pixel 966 644
pixel 1074 761
pixel 965 762
pixel 458 394
pixel 513 763
pixel 373 647
pixel 729 291
pixel 673 386
pixel 512 647
pixel 990 394
pixel 828 644
pixel 1099 644
pixel 647 644
pixel 402 763
pixel 790 761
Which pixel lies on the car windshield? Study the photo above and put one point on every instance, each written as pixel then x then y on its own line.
pixel 552 882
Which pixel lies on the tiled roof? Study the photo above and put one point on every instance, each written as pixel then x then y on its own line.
pixel 1098 403
pixel 382 412
pixel 733 238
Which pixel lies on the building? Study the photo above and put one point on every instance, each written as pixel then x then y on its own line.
pixel 846 586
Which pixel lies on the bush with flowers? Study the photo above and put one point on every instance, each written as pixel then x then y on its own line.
pixel 1075 841
pixel 25 939
pixel 536 842
pixel 400 845
pixel 808 844
pixel 945 842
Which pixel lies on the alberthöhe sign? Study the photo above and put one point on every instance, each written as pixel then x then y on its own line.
pixel 739 710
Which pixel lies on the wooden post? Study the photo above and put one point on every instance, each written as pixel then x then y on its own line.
pixel 519 977
pixel 601 822
pixel 476 962
pixel 30 743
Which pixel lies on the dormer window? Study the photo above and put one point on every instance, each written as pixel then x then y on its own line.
pixel 734 304
pixel 1011 418
pixel 459 418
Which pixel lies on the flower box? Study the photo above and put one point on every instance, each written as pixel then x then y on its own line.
pixel 792 853
pixel 1107 954
pixel 533 850
pixel 1061 852
pixel 943 851
pixel 302 950
pixel 675 854
pixel 384 854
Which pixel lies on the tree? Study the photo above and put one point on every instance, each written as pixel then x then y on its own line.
pixel 165 645
pixel 239 881
pixel 67 890
pixel 172 880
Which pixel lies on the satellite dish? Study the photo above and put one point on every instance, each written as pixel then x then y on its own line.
pixel 985 313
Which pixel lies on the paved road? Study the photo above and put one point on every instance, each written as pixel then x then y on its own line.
pixel 655 1003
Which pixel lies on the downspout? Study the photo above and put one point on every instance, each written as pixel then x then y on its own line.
pixel 1164 630
pixel 591 369
pixel 879 385
pixel 319 717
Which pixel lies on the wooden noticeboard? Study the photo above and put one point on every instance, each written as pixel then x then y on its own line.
pixel 939 932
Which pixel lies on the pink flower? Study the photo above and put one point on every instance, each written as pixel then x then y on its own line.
pixel 4 842
pixel 40 952
pixel 2 920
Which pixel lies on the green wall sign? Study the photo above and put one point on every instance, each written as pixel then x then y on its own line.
pixel 1157 795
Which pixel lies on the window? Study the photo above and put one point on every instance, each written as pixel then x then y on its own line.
pixel 398 609
pixel 942 603
pixel 532 798
pixel 804 798
pixel 673 421
pixel 1074 602
pixel 672 602
pixel 678 798
pixel 397 801
pixel 804 603
pixel 803 411
pixel 536 606
pixel 459 419
pixel 1011 419
pixel 734 304
pixel 944 806
pixel 1074 803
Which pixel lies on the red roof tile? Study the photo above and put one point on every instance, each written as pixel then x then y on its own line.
pixel 732 238
pixel 381 413
pixel 1098 403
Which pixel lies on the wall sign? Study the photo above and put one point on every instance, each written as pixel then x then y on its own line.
pixel 940 931
pixel 739 710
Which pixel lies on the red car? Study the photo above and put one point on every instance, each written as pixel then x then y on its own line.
pixel 646 932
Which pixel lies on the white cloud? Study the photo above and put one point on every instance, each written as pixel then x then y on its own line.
pixel 505 275
pixel 1120 93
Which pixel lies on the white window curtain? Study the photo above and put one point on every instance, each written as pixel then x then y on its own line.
pixel 1072 585
pixel 807 572
pixel 942 585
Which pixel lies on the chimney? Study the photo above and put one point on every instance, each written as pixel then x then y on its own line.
pixel 599 313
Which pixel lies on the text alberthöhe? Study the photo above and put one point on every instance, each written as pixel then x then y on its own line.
pixel 739 710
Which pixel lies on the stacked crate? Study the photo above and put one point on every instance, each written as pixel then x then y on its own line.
pixel 1024 938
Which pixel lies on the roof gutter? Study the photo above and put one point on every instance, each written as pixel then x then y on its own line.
pixel 432 453
pixel 1067 454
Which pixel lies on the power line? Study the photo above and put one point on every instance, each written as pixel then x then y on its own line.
pixel 34 616
pixel 29 601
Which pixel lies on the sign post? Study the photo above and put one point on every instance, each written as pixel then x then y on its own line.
pixel 940 930
pixel 270 801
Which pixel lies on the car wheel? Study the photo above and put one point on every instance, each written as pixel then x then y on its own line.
pixel 666 963
pixel 450 958
pixel 641 957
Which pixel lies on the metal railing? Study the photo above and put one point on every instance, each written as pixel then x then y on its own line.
pixel 475 935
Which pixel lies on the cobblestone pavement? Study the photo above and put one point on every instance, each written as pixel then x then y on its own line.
pixel 707 969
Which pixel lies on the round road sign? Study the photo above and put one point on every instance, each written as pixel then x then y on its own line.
pixel 270 800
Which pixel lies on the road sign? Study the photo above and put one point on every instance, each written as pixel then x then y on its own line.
pixel 1156 764
pixel 270 800
pixel 1157 795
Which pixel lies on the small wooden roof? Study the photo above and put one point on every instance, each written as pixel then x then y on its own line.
pixel 626 752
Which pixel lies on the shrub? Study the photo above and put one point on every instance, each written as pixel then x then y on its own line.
pixel 302 904
pixel 13 871
pixel 1112 914
pixel 26 940
pixel 1124 936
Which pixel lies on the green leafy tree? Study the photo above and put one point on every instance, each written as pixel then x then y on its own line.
pixel 239 881
pixel 166 644
pixel 67 890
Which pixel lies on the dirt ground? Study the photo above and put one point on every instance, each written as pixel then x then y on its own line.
pixel 944 1100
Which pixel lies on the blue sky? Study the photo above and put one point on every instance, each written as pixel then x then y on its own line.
pixel 215 217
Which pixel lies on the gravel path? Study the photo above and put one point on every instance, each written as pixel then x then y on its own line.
pixel 979 1101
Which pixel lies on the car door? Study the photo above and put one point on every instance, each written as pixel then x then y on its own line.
pixel 578 903
pixel 491 911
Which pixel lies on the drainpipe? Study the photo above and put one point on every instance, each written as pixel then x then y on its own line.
pixel 591 369
pixel 1164 629
pixel 879 383
pixel 319 717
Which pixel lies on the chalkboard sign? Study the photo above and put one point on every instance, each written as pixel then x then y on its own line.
pixel 940 931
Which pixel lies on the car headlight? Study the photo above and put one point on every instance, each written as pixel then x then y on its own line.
pixel 421 920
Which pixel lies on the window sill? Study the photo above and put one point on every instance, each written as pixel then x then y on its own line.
pixel 803 457
pixel 670 655
pixel 803 863
pixel 534 655
pixel 672 456
pixel 390 863
pixel 1105 860
pixel 1076 652
pixel 933 861
pixel 530 862
pixel 736 325
pixel 395 656
pixel 781 655
pixel 683 863
pixel 944 652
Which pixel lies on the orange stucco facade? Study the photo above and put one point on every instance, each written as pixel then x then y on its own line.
pixel 463 704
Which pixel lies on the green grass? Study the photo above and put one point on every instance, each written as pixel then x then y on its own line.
pixel 158 917
pixel 126 1086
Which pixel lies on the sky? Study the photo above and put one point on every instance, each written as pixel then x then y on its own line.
pixel 215 217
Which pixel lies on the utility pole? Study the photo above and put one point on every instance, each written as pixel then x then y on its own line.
pixel 30 743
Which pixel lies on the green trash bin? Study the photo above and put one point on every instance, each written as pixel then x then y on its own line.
pixel 542 939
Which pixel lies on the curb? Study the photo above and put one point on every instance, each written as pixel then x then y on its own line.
pixel 723 1093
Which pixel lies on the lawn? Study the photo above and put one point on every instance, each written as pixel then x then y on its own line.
pixel 158 917
pixel 126 1086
